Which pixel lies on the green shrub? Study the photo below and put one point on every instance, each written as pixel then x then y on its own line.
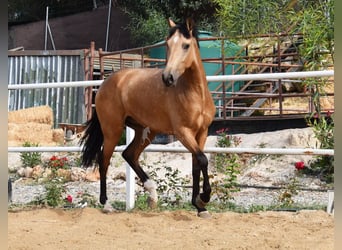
pixel 172 187
pixel 54 193
pixel 227 164
pixel 323 165
pixel 30 159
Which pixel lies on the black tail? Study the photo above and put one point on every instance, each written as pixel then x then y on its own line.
pixel 92 141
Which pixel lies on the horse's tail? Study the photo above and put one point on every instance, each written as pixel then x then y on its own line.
pixel 92 141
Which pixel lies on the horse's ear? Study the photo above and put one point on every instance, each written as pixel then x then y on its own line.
pixel 171 23
pixel 190 24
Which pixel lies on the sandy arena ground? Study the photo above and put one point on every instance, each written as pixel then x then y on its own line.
pixel 89 228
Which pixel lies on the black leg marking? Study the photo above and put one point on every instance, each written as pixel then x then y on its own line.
pixel 103 179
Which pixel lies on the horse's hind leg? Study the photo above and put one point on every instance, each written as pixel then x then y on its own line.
pixel 142 139
pixel 110 141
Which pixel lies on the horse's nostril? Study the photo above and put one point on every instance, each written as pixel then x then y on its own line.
pixel 170 80
pixel 167 79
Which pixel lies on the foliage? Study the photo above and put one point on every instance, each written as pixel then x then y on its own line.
pixel 323 165
pixel 141 202
pixel 313 19
pixel 171 187
pixel 147 31
pixel 169 8
pixel 316 22
pixel 30 159
pixel 228 165
pixel 54 193
pixel 241 17
pixel 85 197
pixel 286 197
pixel 122 140
pixel 148 19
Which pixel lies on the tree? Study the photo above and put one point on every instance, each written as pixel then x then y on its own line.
pixel 241 17
pixel 149 18
pixel 315 19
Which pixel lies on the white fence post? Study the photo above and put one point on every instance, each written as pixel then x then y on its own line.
pixel 130 175
pixel 330 207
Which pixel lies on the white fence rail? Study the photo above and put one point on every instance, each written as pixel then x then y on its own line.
pixel 247 77
pixel 161 148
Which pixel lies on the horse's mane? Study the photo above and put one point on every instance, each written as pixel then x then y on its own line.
pixel 184 31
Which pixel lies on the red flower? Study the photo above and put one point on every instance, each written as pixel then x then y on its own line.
pixel 220 131
pixel 69 198
pixel 299 165
pixel 53 158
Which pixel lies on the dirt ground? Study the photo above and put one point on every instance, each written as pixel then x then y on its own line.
pixel 89 228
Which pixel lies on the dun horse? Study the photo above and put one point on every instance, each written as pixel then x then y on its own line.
pixel 174 100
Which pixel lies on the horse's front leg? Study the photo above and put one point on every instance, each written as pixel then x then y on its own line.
pixel 195 145
pixel 200 200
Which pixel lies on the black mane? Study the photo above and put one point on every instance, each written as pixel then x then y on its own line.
pixel 182 27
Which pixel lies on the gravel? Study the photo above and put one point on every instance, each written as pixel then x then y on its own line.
pixel 273 171
pixel 247 197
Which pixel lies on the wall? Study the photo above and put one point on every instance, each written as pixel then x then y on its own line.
pixel 74 32
pixel 68 104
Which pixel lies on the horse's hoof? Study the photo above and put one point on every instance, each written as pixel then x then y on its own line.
pixel 204 215
pixel 200 203
pixel 103 200
pixel 151 203
pixel 107 209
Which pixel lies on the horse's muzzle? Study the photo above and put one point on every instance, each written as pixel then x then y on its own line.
pixel 167 79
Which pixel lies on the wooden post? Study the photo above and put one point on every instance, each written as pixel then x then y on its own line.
pixel 223 83
pixel 101 64
pixel 89 90
pixel 280 88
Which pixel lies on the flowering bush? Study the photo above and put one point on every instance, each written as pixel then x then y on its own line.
pixel 30 159
pixel 225 140
pixel 228 164
pixel 323 128
pixel 56 162
pixel 299 165
pixel 69 198
pixel 54 193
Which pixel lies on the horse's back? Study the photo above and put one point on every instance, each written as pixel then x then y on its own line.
pixel 138 93
pixel 129 82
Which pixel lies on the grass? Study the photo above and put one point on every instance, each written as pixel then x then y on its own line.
pixel 214 206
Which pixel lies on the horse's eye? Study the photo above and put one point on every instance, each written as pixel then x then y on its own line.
pixel 185 46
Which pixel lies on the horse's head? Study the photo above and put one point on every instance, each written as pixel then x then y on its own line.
pixel 180 44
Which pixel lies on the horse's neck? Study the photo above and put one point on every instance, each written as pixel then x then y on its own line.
pixel 196 79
